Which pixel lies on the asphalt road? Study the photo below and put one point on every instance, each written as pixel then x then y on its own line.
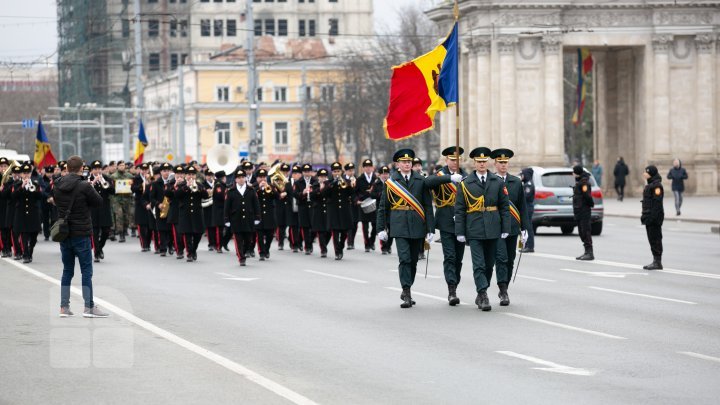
pixel 301 329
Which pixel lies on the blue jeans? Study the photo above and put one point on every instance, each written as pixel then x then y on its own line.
pixel 70 248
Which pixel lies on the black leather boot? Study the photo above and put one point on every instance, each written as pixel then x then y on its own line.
pixel 482 301
pixel 407 299
pixel 655 265
pixel 587 256
pixel 503 295
pixel 452 295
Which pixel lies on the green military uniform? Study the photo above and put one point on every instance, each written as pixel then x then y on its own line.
pixel 408 220
pixel 122 206
pixel 481 218
pixel 507 249
pixel 444 191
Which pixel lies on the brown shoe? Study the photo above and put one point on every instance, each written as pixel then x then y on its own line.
pixel 94 312
pixel 65 312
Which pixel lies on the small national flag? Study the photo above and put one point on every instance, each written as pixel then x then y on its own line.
pixel 43 153
pixel 585 64
pixel 422 87
pixel 140 145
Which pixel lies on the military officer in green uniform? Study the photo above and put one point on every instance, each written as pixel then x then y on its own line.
pixel 405 213
pixel 507 249
pixel 443 185
pixel 481 218
pixel 122 203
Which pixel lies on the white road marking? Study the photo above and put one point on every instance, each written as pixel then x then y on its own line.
pixel 434 297
pixel 564 326
pixel 354 280
pixel 237 368
pixel 550 366
pixel 643 295
pixel 235 278
pixel 629 266
pixel 420 274
pixel 701 356
pixel 537 278
pixel 608 274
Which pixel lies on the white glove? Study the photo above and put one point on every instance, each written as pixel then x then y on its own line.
pixel 456 178
pixel 383 236
pixel 257 222
pixel 461 239
pixel 524 236
pixel 227 224
pixel 504 235
pixel 429 237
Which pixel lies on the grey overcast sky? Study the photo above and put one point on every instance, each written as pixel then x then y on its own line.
pixel 28 29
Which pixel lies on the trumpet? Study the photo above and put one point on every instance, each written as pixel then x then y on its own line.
pixel 192 185
pixel 99 180
pixel 29 186
pixel 341 182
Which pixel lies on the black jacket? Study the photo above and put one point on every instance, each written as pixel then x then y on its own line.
pixel 528 185
pixel 242 210
pixel 621 171
pixel 678 175
pixel 652 202
pixel 582 197
pixel 80 219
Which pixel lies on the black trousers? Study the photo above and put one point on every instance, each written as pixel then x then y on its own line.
pixel 242 241
pixel 295 237
pixel 164 240
pixel 654 234
pixel 265 237
pixel 351 234
pixel 339 236
pixel 5 239
pixel 323 240
pixel 15 242
pixel 369 234
pixel 192 241
pixel 307 236
pixel 46 220
pixel 281 235
pixel 27 242
pixel 213 235
pixel 227 235
pixel 144 235
pixel 100 236
pixel 178 241
pixel 620 190
pixel 584 232
pixel 408 252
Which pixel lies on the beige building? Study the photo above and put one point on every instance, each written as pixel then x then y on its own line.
pixel 657 78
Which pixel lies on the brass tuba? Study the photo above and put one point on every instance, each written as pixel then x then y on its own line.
pixel 222 157
pixel 166 208
pixel 276 177
pixel 8 172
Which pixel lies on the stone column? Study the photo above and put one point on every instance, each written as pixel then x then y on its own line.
pixel 705 108
pixel 507 136
pixel 554 142
pixel 472 106
pixel 661 96
pixel 481 114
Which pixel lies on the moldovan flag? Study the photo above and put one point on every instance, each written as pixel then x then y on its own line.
pixel 585 64
pixel 43 154
pixel 422 87
pixel 140 145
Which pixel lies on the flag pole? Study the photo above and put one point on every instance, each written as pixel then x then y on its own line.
pixel 456 14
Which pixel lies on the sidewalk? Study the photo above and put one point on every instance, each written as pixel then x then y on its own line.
pixel 694 209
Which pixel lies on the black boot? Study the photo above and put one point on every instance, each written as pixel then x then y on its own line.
pixel 452 295
pixel 122 238
pixel 407 299
pixel 587 256
pixel 503 295
pixel 133 232
pixel 655 265
pixel 482 301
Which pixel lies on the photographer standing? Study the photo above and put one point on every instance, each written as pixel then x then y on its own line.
pixel 74 196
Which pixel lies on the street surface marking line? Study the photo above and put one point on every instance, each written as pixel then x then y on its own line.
pixel 354 280
pixel 537 278
pixel 608 274
pixel 701 356
pixel 434 297
pixel 550 366
pixel 643 295
pixel 235 278
pixel 629 266
pixel 237 368
pixel 564 326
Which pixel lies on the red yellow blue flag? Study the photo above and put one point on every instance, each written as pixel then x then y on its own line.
pixel 585 64
pixel 43 153
pixel 140 145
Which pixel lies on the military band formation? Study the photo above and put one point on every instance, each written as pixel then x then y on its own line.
pixel 170 208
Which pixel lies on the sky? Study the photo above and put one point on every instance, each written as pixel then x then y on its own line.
pixel 28 29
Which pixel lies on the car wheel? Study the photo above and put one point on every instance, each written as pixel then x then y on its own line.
pixel 596 228
pixel 567 229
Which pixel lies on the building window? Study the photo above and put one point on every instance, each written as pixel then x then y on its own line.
pixel 259 137
pixel 217 1
pixel 281 94
pixel 222 132
pixel 154 61
pixel 173 61
pixel 173 28
pixel 172 1
pixel 183 59
pixel 218 28
pixel 301 28
pixel 281 133
pixel 259 95
pixel 311 28
pixel 305 93
pixel 270 27
pixel 231 28
pixel 125 28
pixel 258 28
pixel 282 28
pixel 328 92
pixel 333 26
pixel 205 28
pixel 222 93
pixel 153 28
pixel 204 1
pixel 183 28
pixel 333 1
pixel 152 1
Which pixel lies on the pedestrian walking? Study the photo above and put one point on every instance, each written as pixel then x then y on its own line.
pixel 529 191
pixel 597 172
pixel 621 172
pixel 582 210
pixel 653 215
pixel 678 175
pixel 74 197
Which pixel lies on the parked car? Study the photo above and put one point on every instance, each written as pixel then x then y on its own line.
pixel 553 200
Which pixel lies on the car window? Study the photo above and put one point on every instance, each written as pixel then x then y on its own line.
pixel 561 179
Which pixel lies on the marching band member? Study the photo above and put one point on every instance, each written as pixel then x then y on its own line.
pixel 302 190
pixel 5 198
pixel 242 214
pixel 354 208
pixel 13 183
pixel 191 225
pixel 294 233
pixel 340 218
pixel 160 187
pixel 267 195
pixel 363 189
pixel 26 194
pixel 218 216
pixel 102 219
pixel 319 197
pixel 173 218
pixel 377 193
pixel 141 191
pixel 210 230
pixel 281 209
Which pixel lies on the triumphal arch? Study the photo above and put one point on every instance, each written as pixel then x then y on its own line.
pixel 656 76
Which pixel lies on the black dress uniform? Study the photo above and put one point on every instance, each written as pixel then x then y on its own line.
pixel 218 211
pixel 281 209
pixel 141 192
pixel 304 207
pixel 320 211
pixel 5 198
pixel 582 209
pixel 8 190
pixel 354 206
pixel 191 224
pixel 409 226
pixel 444 192
pixel 292 209
pixel 242 211
pixel 377 194
pixel 507 249
pixel 364 187
pixel 27 222
pixel 340 210
pixel 482 218
pixel 653 215
pixel 173 218
pixel 211 230
pixel 157 197
pixel 102 219
pixel 268 224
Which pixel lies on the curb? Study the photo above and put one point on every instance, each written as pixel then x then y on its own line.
pixel 693 220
